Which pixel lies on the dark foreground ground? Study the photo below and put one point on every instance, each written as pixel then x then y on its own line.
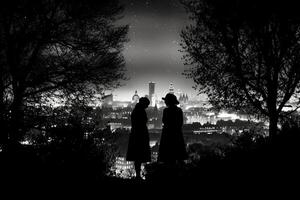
pixel 216 179
pixel 270 167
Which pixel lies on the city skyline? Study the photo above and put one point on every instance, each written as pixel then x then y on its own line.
pixel 143 91
pixel 152 53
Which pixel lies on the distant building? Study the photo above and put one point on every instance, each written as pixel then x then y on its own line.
pixel 135 98
pixel 183 98
pixel 114 125
pixel 171 88
pixel 107 100
pixel 150 126
pixel 151 93
pixel 121 104
pixel 123 168
pixel 151 89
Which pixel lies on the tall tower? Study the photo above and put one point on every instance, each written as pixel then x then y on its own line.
pixel 171 88
pixel 151 93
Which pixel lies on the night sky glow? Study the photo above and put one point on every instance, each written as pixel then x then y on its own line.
pixel 152 54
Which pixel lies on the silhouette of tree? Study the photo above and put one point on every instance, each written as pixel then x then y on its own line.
pixel 57 48
pixel 244 54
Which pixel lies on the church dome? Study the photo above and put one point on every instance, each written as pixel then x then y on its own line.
pixel 135 97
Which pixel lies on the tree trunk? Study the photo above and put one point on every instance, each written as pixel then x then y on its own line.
pixel 17 116
pixel 273 121
pixel 3 124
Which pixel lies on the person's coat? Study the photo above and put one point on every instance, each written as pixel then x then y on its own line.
pixel 138 145
pixel 172 145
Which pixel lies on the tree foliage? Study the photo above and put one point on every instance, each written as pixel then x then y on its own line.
pixel 244 54
pixel 58 48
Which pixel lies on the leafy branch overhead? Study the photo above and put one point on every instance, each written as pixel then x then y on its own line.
pixel 51 47
pixel 244 54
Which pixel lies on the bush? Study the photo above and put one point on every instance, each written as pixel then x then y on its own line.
pixel 249 157
pixel 64 159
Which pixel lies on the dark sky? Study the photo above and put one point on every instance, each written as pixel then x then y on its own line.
pixel 152 54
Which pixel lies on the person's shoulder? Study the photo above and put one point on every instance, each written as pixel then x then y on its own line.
pixel 135 111
pixel 178 109
pixel 138 108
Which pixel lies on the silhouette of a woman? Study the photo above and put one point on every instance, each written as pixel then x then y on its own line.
pixel 172 145
pixel 138 145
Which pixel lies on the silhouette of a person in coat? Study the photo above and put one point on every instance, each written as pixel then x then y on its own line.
pixel 172 146
pixel 138 145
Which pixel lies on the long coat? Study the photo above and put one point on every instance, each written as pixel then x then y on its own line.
pixel 172 145
pixel 138 145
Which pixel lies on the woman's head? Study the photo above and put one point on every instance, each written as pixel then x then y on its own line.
pixel 170 99
pixel 144 102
